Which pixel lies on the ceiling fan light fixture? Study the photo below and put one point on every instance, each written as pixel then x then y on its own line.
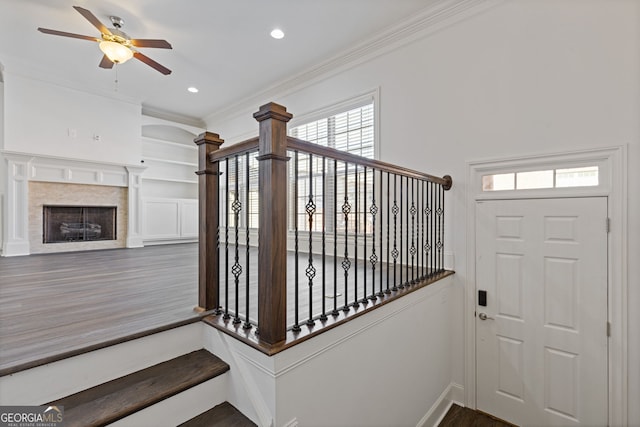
pixel 116 52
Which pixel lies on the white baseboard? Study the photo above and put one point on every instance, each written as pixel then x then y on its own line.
pixel 454 393
pixel 169 241
pixel 16 248
pixel 134 242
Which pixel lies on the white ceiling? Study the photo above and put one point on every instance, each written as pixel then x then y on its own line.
pixel 221 47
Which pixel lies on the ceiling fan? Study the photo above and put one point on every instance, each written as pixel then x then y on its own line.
pixel 116 45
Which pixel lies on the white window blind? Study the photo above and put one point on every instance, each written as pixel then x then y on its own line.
pixel 351 131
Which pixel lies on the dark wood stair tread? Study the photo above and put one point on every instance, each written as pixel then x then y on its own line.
pixel 223 415
pixel 123 396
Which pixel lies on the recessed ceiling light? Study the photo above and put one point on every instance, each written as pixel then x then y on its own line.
pixel 193 89
pixel 277 33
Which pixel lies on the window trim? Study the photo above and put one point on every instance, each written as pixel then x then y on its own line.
pixel 481 169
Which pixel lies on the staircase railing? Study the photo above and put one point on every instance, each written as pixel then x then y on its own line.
pixel 296 238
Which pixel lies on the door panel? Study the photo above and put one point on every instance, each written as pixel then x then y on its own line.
pixel 542 350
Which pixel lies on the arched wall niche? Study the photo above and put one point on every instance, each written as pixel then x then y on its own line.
pixel 168 133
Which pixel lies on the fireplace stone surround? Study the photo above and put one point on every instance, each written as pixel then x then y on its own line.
pixel 47 173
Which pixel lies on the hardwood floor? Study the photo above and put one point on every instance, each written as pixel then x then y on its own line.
pixel 458 416
pixel 64 303
pixel 57 305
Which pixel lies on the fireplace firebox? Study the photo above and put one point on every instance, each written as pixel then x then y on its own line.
pixel 63 224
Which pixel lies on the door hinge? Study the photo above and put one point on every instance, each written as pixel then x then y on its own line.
pixel 608 329
pixel 608 225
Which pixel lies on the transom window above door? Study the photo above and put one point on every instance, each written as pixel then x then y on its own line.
pixel 586 176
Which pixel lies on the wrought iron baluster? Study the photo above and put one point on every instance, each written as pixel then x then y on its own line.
pixel 401 283
pixel 335 238
pixel 388 291
pixel 296 325
pixel 380 293
pixel 218 309
pixel 433 233
pixel 443 246
pixel 373 259
pixel 422 196
pixel 427 245
pixel 440 243
pixel 364 299
pixel 346 263
pixel 405 207
pixel 355 240
pixel 226 244
pixel 311 270
pixel 247 324
pixel 236 270
pixel 413 212
pixel 323 316
pixel 395 210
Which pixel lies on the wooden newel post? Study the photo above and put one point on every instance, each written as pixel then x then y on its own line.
pixel 272 251
pixel 208 191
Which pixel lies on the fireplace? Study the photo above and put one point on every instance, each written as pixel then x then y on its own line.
pixel 34 181
pixel 63 224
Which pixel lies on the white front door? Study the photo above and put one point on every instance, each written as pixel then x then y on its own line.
pixel 541 338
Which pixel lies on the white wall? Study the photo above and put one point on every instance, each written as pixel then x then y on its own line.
pixel 388 368
pixel 39 115
pixel 525 77
pixel 385 369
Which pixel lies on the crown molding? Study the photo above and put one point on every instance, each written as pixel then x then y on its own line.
pixel 430 20
pixel 173 117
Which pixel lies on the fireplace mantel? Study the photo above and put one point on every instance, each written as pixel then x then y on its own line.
pixel 25 167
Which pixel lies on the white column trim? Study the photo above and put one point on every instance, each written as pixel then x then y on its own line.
pixel 16 207
pixel 134 225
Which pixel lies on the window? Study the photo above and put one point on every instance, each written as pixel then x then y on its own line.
pixel 550 178
pixel 235 175
pixel 351 130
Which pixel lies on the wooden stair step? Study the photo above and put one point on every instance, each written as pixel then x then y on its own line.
pixel 223 415
pixel 123 396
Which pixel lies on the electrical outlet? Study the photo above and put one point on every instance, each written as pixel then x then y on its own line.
pixel 73 133
pixel 96 137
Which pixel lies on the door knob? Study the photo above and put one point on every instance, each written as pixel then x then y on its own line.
pixel 483 316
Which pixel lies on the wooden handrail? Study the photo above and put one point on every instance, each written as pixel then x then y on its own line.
pixel 332 153
pixel 236 149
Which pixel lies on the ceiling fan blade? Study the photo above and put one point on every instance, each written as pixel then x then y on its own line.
pixel 150 62
pixel 92 18
pixel 162 44
pixel 65 34
pixel 106 63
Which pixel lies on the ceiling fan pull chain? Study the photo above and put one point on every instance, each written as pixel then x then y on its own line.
pixel 115 67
